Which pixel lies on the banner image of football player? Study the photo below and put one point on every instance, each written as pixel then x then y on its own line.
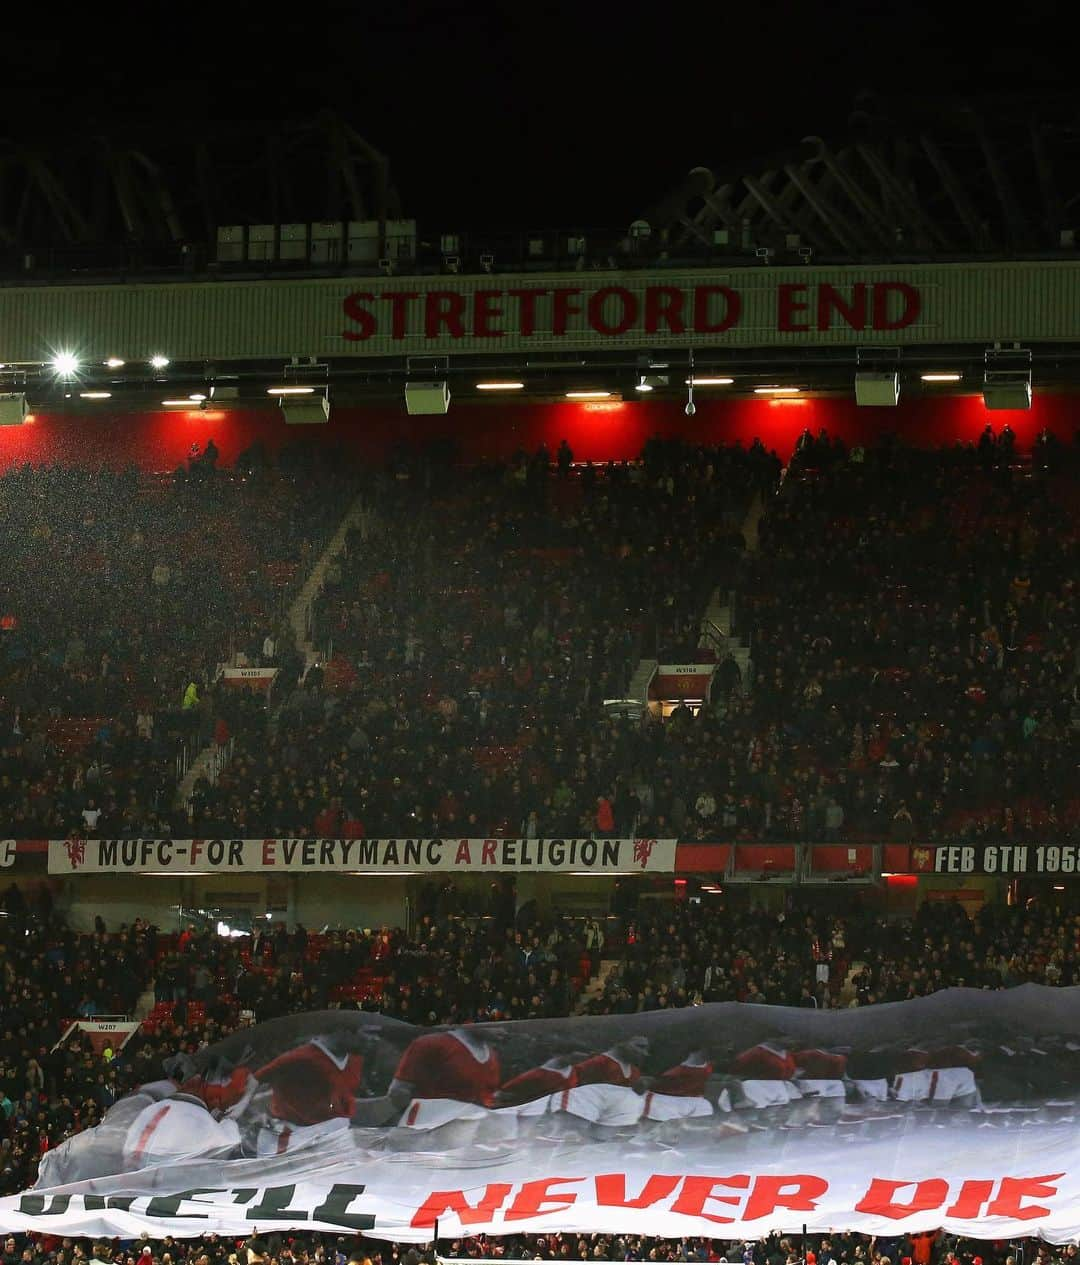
pixel 178 1128
pixel 317 1081
pixel 353 1082
pixel 221 1086
pixel 681 1092
pixel 607 1089
pixel 153 1125
pixel 313 1091
pixel 448 1082
pixel 531 1089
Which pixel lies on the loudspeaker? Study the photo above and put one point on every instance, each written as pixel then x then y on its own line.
pixel 880 390
pixel 13 409
pixel 427 397
pixel 1006 390
pixel 305 412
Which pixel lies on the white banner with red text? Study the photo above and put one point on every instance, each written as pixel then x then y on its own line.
pixel 729 1121
pixel 384 856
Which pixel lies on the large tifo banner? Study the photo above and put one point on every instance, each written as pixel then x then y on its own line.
pixel 212 856
pixel 958 1110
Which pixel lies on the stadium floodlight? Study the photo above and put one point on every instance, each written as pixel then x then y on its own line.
pixel 588 395
pixel 427 397
pixel 114 362
pixel 197 397
pixel 176 403
pixel 95 395
pixel 159 362
pixel 643 384
pixel 940 377
pixel 14 409
pixel 709 382
pixel 290 390
pixel 65 364
pixel 880 390
pixel 305 412
pixel 777 390
pixel 1007 377
pixel 500 386
pixel 1007 390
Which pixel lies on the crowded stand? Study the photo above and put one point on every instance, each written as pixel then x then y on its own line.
pixel 912 623
pixel 910 614
pixel 316 1249
pixel 454 970
pixel 117 614
pixel 472 632
pixel 539 744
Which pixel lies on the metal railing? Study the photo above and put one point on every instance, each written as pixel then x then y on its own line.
pixel 219 757
pixel 182 761
pixel 216 758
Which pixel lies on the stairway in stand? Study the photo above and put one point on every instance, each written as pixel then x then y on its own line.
pixel 595 987
pixel 209 762
pixel 717 627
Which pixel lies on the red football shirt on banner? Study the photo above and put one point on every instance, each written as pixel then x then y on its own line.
pixel 441 1065
pixel 311 1085
pixel 602 1069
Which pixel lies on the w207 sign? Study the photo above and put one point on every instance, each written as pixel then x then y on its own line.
pixel 997 858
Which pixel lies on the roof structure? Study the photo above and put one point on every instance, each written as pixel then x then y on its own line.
pixel 940 179
pixel 937 179
pixel 166 190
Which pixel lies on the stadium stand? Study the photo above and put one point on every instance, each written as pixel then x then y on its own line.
pixel 912 620
pixel 969 665
pixel 910 617
pixel 482 622
pixel 914 626
pixel 459 969
pixel 119 612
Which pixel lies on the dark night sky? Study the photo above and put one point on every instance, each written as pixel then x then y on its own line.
pixel 537 115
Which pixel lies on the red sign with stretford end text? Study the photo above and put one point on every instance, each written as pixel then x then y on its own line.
pixel 614 311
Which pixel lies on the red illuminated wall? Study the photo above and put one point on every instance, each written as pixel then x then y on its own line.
pixel 599 431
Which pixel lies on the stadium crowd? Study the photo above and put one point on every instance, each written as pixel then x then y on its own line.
pixel 917 665
pixel 911 617
pixel 913 626
pixel 452 970
pixel 122 594
pixel 473 631
pixel 457 969
pixel 317 1249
